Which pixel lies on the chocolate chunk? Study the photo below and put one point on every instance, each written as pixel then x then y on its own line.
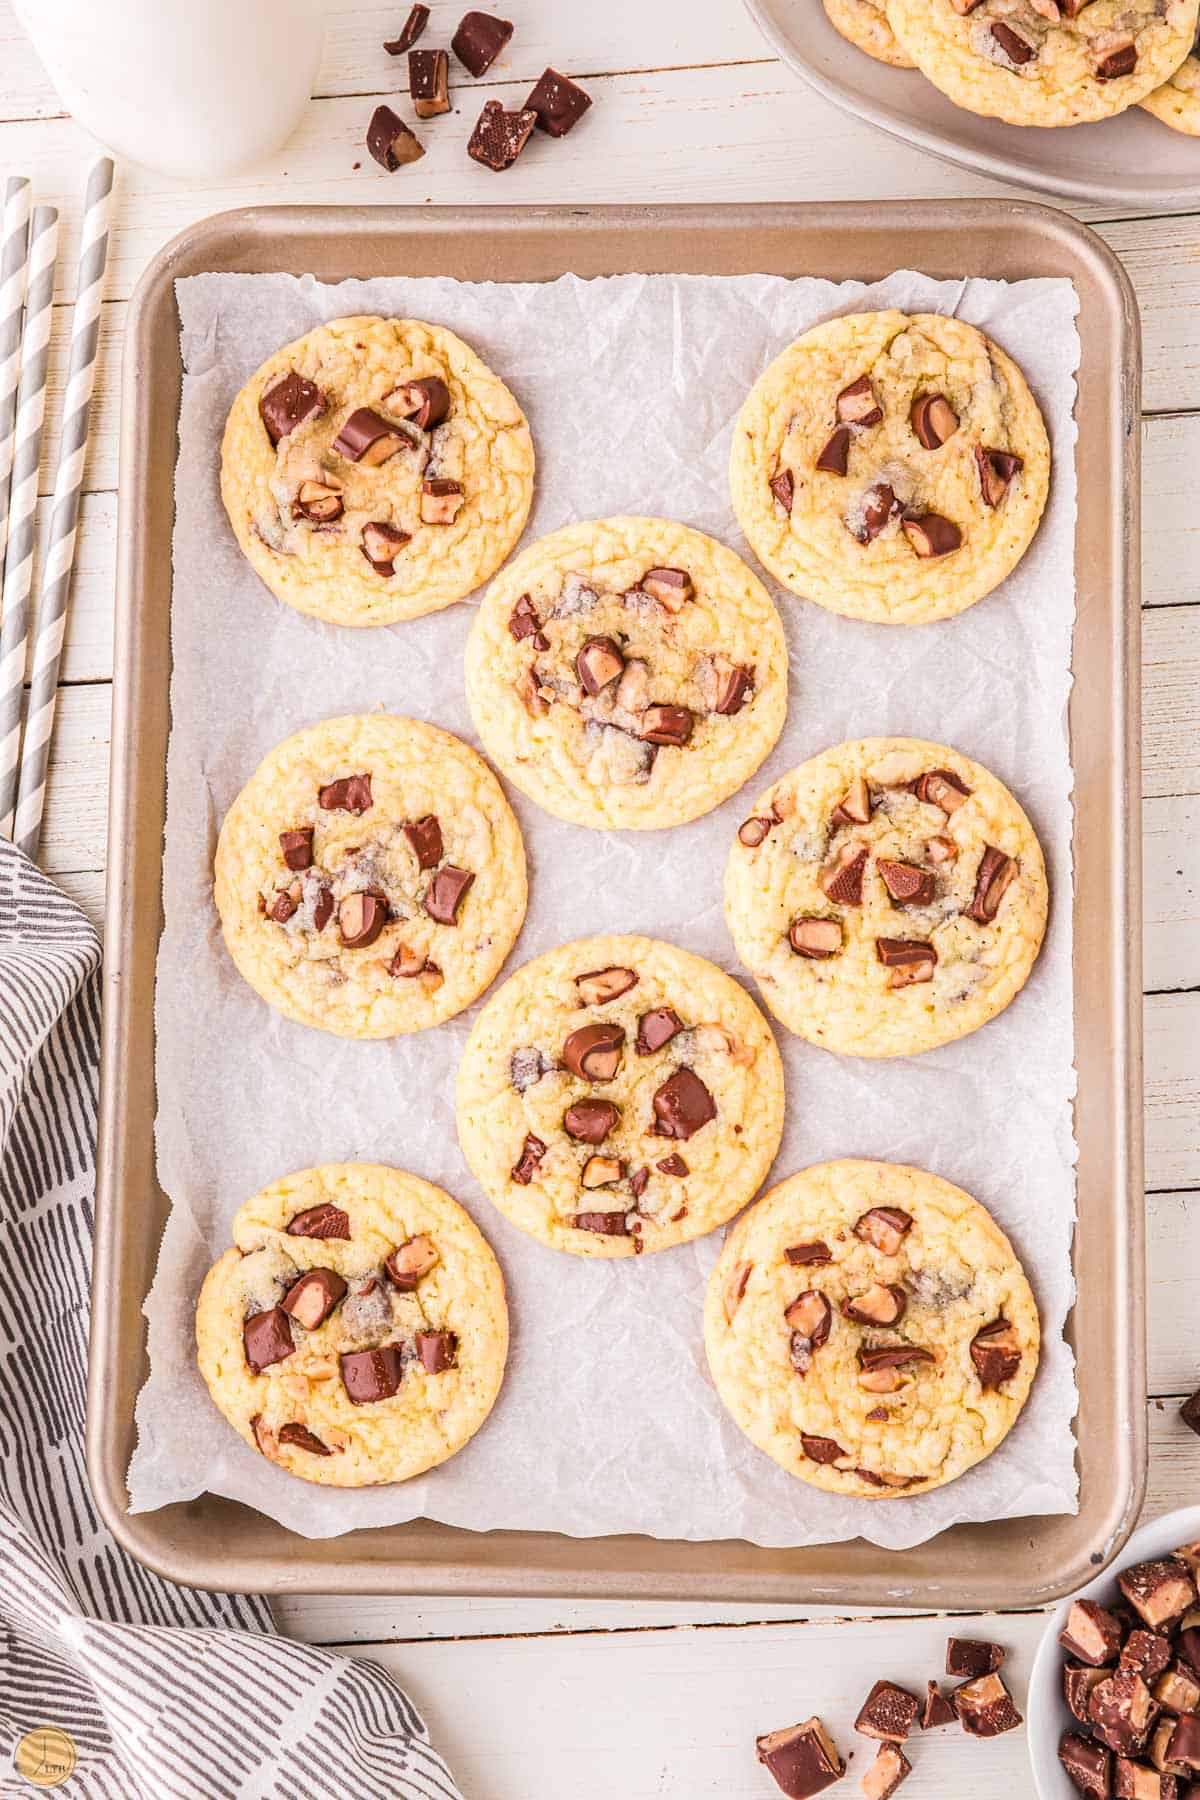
pixel 1089 1766
pixel 351 794
pixel 996 1353
pixel 1121 1711
pixel 888 1713
pixel 909 959
pixel 735 1287
pixel 734 687
pixel 937 1710
pixel 992 880
pixel 1160 1739
pixel 906 884
pixel 1183 1746
pixel 985 1707
pixel 369 1375
pixel 320 502
pixel 1137 1781
pixel 783 486
pixel 1188 1645
pixel 601 1171
pixel 802 1759
pixel 893 1356
pixel 934 421
pixel 996 470
pixel 479 40
pixel 656 1028
pixel 682 1105
pixel 605 1224
pixel 941 850
pixel 672 588
pixel 884 1228
pixel 382 543
pixel 297 847
pixel 410 31
pixel 854 807
pixel 428 82
pixel 1147 1653
pixel 857 405
pixel 532 1152
pixel 672 1165
pixel 1115 59
pixel 424 837
pixel 441 501
pixel 969 1657
pixel 803 1255
pixel 593 1052
pixel 1189 1412
pixel 323 908
pixel 667 725
pixel 444 895
pixel 325 1221
pixel 881 1305
pixel 843 879
pixel 815 938
pixel 590 1121
pixel 437 1350
pixel 411 1261
pixel 1078 1682
pixel 1017 48
pixel 599 661
pixel 1091 1633
pixel 267 1338
pixel 361 918
pixel 599 986
pixel 366 438
pixel 283 906
pixel 752 832
pixel 834 457
pixel 287 403
pixel 810 1319
pixel 558 103
pixel 877 506
pixel 524 623
pixel 391 143
pixel 820 1449
pixel 1177 1690
pixel 941 788
pixel 499 137
pixel 931 535
pixel 424 402
pixel 303 1439
pixel 311 1299
pixel 885 1774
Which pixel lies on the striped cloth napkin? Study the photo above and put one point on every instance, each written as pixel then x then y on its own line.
pixel 166 1693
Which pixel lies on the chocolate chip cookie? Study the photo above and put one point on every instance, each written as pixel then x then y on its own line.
pixel 870 1328
pixel 370 877
pixel 1045 62
pixel 375 470
pixel 1177 102
pixel 619 1095
pixel 888 895
pixel 891 466
pixel 864 24
pixel 627 673
pixel 358 1331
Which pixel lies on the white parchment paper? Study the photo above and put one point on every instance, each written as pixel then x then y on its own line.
pixel 607 1421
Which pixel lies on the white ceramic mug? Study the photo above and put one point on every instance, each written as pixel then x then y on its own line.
pixel 185 87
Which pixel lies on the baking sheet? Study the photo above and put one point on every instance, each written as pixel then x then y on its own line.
pixel 630 385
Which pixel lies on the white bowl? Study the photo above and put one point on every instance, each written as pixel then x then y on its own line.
pixel 1047 1717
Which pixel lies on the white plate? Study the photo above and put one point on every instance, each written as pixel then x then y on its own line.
pixel 1046 1711
pixel 1133 159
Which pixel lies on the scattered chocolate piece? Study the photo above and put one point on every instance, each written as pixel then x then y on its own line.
pixel 297 847
pixel 1121 1711
pixel 884 1228
pixel 803 1759
pixel 682 1105
pixel 885 1774
pixel 424 837
pixel 428 82
pixel 735 1287
pixel 1091 1633
pixel 656 1028
pixel 411 1261
pixel 1189 1412
pixel 368 439
pixel 857 405
pixel 672 1165
pixel 311 1299
pixel 593 1052
pixel 424 402
pixel 441 501
pixel 287 403
pixel 820 1449
pixel 1160 1739
pixel 323 909
pixel 672 588
pixel 1177 1690
pixel 1088 1765
pixel 1136 1781
pixel 888 1713
pixel 808 1255
pixel 283 906
pixel 940 788
pixel 320 502
pixel 752 832
pixel 590 1121
pixel 667 725
pixel 1183 1746
pixel 599 661
pixel 532 1152
pixel 878 506
pixel 843 879
pixel 437 1350
pixel 444 895
pixel 351 794
pixel 391 143
pixel 810 1318
pixel 969 1657
pixel 992 881
pixel 267 1338
pixel 1160 1591
pixel 931 535
pixel 854 807
pixel 883 1305
pixel 558 103
pixel 996 1353
pixel 909 959
pixel 303 1439
pixel 906 884
pixel 369 1375
pixel 479 40
pixel 934 421
pixel 325 1221
pixel 734 687
pixel 783 486
pixel 1115 54
pixel 410 31
pixel 601 985
pixel 1078 1682
pixel 834 458
pixel 499 137
pixel 361 918
pixel 1017 48
pixel 523 623
pixel 996 470
pixel 382 543
pixel 815 938
pixel 937 1710
pixel 985 1707
pixel 1188 1644
pixel 609 1224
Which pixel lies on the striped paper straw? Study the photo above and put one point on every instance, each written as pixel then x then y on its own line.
pixel 14 256
pixel 27 449
pixel 68 481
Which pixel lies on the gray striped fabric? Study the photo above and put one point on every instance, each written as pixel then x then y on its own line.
pixel 168 1693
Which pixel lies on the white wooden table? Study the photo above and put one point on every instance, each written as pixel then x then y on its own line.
pixel 533 1701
